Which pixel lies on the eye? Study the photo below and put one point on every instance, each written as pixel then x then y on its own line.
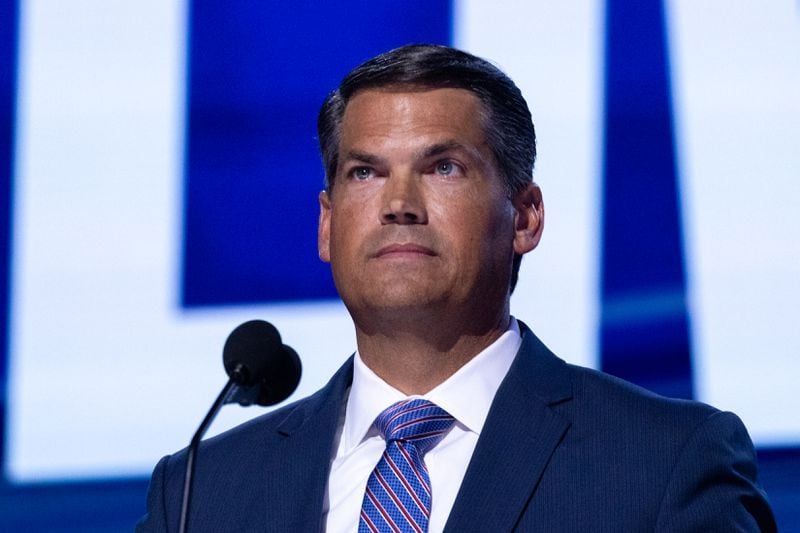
pixel 361 173
pixel 446 168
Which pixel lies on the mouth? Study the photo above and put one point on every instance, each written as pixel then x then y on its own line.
pixel 404 250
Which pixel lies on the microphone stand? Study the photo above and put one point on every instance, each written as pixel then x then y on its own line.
pixel 253 350
pixel 221 400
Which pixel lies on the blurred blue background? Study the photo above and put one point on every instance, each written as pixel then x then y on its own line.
pixel 158 185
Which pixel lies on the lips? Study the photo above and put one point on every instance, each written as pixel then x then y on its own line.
pixel 407 249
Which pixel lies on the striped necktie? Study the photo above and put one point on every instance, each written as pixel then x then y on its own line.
pixel 398 495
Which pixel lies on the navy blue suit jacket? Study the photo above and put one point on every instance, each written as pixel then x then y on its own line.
pixel 564 448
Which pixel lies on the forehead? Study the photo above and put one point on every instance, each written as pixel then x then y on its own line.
pixel 404 114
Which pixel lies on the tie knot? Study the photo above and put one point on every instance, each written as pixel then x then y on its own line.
pixel 418 422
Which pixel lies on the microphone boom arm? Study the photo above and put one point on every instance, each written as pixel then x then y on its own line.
pixel 227 391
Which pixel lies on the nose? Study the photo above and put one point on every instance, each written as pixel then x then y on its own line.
pixel 403 201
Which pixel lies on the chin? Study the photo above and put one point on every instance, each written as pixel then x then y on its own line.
pixel 392 298
pixel 397 299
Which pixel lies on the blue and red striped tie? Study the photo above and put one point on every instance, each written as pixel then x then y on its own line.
pixel 398 495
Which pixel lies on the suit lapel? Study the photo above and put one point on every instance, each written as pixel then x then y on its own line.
pixel 519 437
pixel 303 457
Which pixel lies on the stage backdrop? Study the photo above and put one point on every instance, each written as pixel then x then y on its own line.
pixel 158 185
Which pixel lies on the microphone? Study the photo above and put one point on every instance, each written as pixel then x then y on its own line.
pixel 266 370
pixel 261 370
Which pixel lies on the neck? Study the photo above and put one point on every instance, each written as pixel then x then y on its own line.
pixel 415 354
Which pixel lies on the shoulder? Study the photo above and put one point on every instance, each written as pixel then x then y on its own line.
pixel 597 394
pixel 598 402
pixel 643 427
pixel 682 463
pixel 231 468
pixel 234 447
pixel 640 428
pixel 271 428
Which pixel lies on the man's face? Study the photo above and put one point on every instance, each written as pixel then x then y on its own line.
pixel 418 217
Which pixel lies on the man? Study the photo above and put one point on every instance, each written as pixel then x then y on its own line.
pixel 428 208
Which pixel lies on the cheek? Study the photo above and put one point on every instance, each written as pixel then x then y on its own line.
pixel 346 228
pixel 495 230
pixel 453 207
pixel 476 217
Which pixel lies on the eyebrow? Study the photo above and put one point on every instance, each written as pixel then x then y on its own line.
pixel 425 153
pixel 364 157
pixel 442 147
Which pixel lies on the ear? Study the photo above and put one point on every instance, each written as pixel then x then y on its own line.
pixel 324 230
pixel 528 219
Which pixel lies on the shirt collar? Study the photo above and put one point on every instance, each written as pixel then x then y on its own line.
pixel 467 395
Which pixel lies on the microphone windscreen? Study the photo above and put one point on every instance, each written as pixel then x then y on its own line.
pixel 255 356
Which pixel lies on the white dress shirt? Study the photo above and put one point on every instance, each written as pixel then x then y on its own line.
pixel 466 395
